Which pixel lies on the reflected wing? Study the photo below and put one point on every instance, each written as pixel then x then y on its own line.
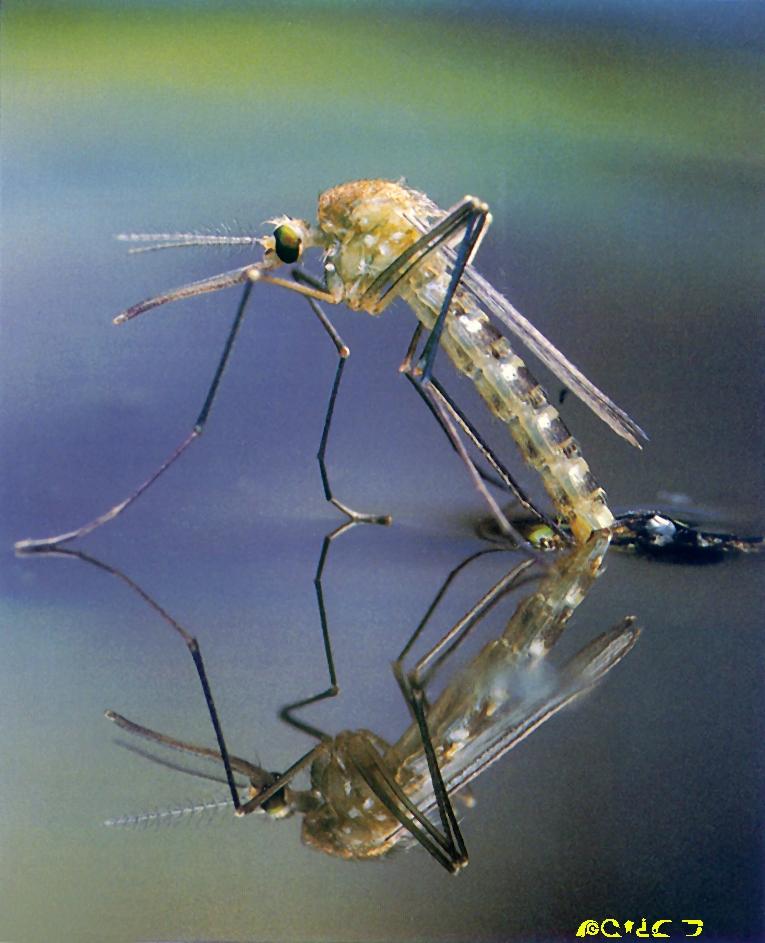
pixel 513 718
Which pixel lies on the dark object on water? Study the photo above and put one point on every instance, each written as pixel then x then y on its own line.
pixel 654 534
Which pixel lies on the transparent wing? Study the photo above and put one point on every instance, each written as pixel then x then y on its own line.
pixel 549 354
pixel 516 718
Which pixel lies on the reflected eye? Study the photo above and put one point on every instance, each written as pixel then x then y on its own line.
pixel 541 537
pixel 287 243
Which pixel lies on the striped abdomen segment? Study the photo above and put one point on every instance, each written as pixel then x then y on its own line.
pixel 478 350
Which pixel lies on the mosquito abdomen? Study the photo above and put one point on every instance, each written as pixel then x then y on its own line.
pixel 514 396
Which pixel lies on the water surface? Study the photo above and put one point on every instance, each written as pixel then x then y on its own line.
pixel 621 159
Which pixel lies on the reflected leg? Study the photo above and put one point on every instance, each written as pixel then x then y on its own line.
pixel 229 762
pixel 286 712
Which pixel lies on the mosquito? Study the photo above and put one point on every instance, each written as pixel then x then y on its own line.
pixel 382 240
pixel 367 796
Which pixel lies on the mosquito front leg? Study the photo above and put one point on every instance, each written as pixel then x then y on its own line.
pixel 196 655
pixel 47 542
pixel 343 353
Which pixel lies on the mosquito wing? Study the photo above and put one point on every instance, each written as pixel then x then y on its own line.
pixel 549 354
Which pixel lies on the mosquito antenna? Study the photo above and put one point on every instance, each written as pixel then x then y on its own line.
pixel 180 240
pixel 170 816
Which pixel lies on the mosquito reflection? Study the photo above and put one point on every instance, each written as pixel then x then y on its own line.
pixel 366 795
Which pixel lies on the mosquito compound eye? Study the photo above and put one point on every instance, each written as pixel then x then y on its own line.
pixel 287 244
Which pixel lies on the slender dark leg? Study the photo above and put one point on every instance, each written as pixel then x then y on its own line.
pixel 470 215
pixel 428 392
pixel 439 596
pixel 477 222
pixel 459 631
pixel 452 833
pixel 343 353
pixel 48 542
pixel 448 848
pixel 474 217
pixel 375 297
pixel 286 712
pixel 264 783
pixel 406 369
pixel 504 479
pixel 193 646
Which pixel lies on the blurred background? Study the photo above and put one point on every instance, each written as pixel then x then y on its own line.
pixel 620 148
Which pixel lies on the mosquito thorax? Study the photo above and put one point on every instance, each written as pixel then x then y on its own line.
pixel 367 225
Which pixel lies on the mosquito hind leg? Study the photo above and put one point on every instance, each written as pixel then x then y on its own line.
pixel 446 845
pixel 474 217
pixel 437 406
pixel 343 353
pixel 419 675
pixel 25 546
pixel 503 479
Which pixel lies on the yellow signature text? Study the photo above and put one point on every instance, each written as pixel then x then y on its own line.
pixel 612 929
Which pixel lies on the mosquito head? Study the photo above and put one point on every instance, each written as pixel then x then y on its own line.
pixel 287 242
pixel 280 804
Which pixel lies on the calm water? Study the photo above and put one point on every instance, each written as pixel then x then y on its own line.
pixel 620 156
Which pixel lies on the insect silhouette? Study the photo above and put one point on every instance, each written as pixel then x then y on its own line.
pixel 382 240
pixel 367 796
